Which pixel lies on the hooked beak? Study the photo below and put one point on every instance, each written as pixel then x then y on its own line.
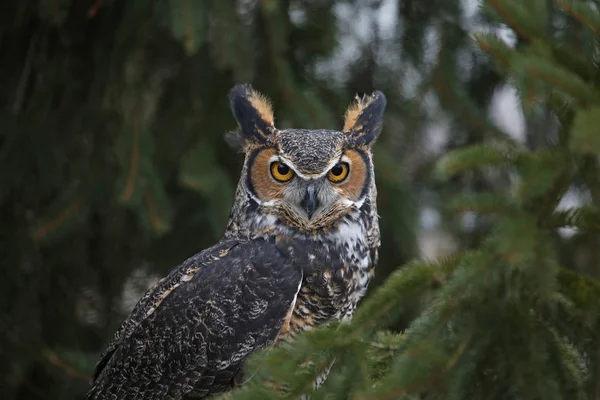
pixel 310 201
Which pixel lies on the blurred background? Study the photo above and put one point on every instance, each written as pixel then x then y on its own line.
pixel 114 168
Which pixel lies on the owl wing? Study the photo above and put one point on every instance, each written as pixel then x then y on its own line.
pixel 153 297
pixel 192 331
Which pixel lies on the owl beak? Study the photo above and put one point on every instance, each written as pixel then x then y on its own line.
pixel 310 201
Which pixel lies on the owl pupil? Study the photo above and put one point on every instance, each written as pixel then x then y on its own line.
pixel 337 170
pixel 283 169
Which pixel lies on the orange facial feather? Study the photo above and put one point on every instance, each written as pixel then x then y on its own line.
pixel 264 186
pixel 353 186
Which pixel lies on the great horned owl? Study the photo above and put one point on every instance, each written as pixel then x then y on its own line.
pixel 298 251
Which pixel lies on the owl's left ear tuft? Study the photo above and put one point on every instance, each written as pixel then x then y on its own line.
pixel 364 118
pixel 253 112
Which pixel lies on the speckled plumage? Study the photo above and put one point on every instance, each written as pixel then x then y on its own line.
pixel 310 150
pixel 283 266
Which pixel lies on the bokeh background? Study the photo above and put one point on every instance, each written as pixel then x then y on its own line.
pixel 113 166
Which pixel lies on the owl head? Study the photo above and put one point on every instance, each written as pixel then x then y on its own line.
pixel 306 180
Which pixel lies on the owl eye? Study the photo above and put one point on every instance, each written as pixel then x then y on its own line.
pixel 281 172
pixel 339 172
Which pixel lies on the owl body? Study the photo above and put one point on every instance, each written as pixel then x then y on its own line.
pixel 299 250
pixel 351 235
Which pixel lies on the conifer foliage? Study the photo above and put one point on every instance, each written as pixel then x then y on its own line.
pixel 510 319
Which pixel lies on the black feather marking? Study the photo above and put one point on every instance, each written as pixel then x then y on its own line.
pixel 250 159
pixel 369 173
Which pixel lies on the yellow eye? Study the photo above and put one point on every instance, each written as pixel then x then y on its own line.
pixel 339 172
pixel 281 172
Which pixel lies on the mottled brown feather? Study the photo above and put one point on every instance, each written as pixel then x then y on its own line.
pixel 301 323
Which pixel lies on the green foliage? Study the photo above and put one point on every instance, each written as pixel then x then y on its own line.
pixel 585 13
pixel 585 218
pixel 585 131
pixel 473 156
pixel 485 203
pixel 517 15
pixel 186 20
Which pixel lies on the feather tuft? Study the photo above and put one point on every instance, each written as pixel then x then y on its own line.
pixel 262 105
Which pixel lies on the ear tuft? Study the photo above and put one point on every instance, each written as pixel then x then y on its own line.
pixel 253 113
pixel 352 113
pixel 262 104
pixel 364 118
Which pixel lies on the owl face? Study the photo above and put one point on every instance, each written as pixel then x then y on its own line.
pixel 307 179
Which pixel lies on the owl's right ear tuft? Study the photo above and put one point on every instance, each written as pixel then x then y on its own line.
pixel 253 112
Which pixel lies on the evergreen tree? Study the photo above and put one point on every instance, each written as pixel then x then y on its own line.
pixel 509 318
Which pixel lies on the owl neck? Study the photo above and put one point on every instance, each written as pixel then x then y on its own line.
pixel 247 221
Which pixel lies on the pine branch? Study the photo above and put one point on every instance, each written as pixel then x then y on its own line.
pixel 524 18
pixel 234 48
pixel 55 360
pixel 55 222
pixel 584 292
pixel 156 211
pixel 157 223
pixel 569 58
pixel 540 77
pixel 185 20
pixel 473 156
pixel 582 12
pixel 409 281
pixel 568 357
pixel 544 173
pixel 94 8
pixel 423 359
pixel 584 132
pixel 134 159
pixel 586 218
pixel 25 76
pixel 456 100
pixel 495 47
pixel 484 203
